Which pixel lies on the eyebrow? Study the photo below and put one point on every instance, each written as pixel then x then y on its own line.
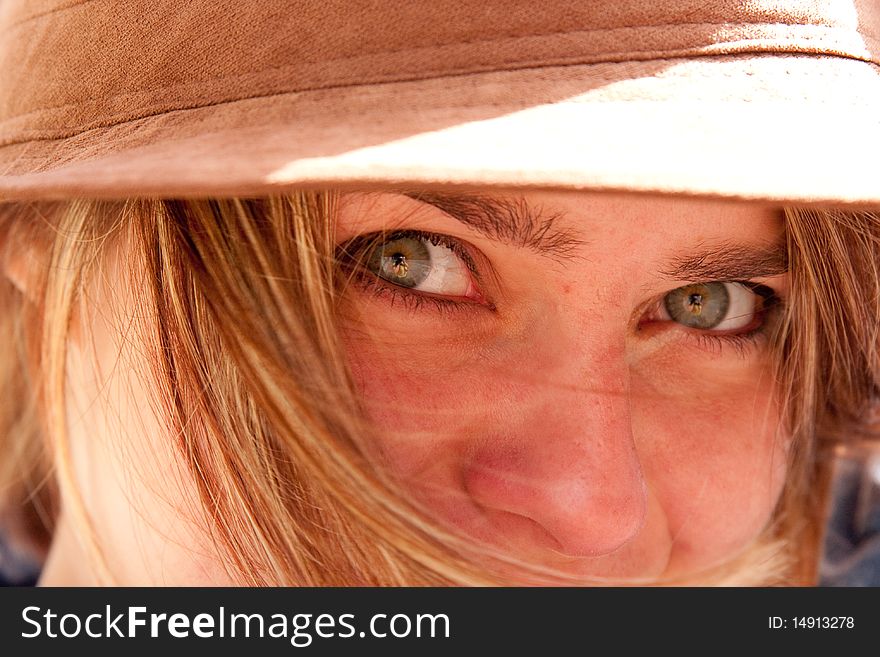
pixel 514 222
pixel 509 221
pixel 729 262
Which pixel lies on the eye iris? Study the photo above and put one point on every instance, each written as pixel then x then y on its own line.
pixel 405 261
pixel 701 306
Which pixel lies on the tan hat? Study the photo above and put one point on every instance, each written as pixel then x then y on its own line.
pixel 763 99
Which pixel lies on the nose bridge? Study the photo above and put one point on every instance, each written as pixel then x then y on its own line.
pixel 568 460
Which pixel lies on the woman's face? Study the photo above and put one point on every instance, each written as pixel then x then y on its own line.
pixel 581 381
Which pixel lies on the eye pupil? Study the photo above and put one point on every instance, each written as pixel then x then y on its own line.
pixel 404 261
pixel 399 265
pixel 699 306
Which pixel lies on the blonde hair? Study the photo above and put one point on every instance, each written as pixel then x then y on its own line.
pixel 246 359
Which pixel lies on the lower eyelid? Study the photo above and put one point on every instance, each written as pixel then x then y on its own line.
pixel 743 340
pixel 744 344
pixel 413 300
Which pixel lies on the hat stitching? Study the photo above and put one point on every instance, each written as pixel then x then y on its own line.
pixel 55 10
pixel 31 137
pixel 148 117
pixel 705 50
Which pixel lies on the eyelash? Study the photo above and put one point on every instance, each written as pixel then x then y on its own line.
pixel 744 341
pixel 741 343
pixel 349 254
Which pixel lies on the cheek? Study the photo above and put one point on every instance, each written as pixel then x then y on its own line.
pixel 142 502
pixel 427 401
pixel 439 400
pixel 704 433
pixel 714 456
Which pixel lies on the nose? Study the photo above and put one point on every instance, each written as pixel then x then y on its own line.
pixel 569 465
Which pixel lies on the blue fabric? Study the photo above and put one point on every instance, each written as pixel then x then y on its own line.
pixel 16 569
pixel 851 553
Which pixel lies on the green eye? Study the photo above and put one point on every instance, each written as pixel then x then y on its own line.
pixel 703 305
pixel 404 261
pixel 419 261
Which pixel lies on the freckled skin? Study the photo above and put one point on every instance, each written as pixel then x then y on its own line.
pixel 556 429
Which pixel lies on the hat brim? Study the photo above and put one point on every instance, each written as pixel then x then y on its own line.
pixel 779 128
